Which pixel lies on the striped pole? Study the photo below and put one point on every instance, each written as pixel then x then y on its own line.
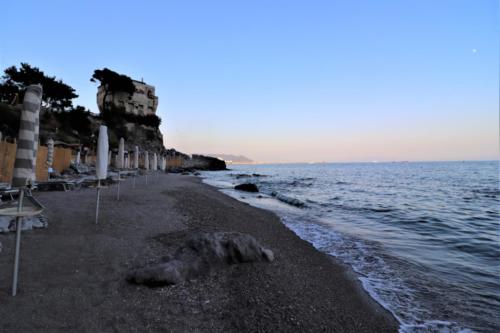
pixel 24 165
pixel 35 146
pixel 50 155
pixel 50 152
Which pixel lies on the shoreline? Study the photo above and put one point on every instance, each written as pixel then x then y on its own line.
pixel 72 275
pixel 349 272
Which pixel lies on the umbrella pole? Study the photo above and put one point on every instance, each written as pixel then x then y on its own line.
pixel 19 223
pixel 146 178
pixel 133 185
pixel 97 200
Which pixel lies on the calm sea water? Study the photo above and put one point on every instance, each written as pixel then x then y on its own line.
pixel 422 237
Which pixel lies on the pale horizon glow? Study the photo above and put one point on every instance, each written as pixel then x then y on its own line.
pixel 281 81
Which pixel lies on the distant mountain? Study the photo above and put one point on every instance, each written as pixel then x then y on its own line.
pixel 231 158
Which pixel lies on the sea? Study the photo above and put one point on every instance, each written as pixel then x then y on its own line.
pixel 422 238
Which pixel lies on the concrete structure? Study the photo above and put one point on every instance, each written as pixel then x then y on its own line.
pixel 142 102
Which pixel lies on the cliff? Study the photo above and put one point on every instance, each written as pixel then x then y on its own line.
pixel 80 126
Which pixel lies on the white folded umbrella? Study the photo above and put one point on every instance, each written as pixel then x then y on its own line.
pixel 101 163
pixel 136 158
pixel 121 154
pixel 102 153
pixel 163 163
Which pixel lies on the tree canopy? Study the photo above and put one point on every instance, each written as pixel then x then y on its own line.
pixel 112 82
pixel 56 94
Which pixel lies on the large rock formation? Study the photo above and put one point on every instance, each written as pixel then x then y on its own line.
pixel 200 255
pixel 201 162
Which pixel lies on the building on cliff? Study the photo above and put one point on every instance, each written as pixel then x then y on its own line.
pixel 142 102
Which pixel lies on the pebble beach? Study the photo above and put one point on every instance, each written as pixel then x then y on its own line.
pixel 72 274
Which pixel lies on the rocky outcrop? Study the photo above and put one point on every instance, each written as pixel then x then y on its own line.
pixel 145 137
pixel 247 187
pixel 200 255
pixel 208 163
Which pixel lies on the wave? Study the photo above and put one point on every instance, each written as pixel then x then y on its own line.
pixel 289 200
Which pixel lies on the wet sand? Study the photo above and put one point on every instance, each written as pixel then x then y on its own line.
pixel 72 275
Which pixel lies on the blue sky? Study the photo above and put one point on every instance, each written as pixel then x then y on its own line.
pixel 285 81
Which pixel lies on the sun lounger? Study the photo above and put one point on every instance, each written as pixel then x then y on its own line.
pixel 56 185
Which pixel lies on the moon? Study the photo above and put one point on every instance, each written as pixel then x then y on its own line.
pixel 474 51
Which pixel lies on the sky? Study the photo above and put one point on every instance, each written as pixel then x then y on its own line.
pixel 285 80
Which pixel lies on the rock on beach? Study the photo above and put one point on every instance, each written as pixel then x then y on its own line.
pixel 200 255
pixel 247 187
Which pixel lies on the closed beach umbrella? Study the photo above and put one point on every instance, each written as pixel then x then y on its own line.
pixel 116 160
pixel 77 162
pixel 101 163
pixel 110 155
pixel 86 158
pixel 155 162
pixel 35 144
pixel 50 152
pixel 25 153
pixel 136 158
pixel 121 153
pixel 24 164
pixel 102 153
pixel 163 163
pixel 146 160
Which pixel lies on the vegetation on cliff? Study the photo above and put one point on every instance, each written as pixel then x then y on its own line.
pixel 62 121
